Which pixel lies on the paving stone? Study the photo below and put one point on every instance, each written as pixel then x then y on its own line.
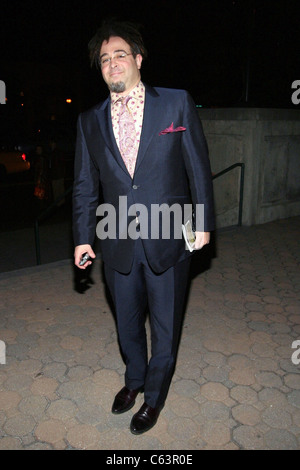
pixel 79 372
pixel 50 431
pixel 281 439
pixel 56 370
pixel 18 382
pixel 62 409
pixel 292 381
pixel 10 443
pixel 189 372
pixel 44 386
pixel 27 338
pixel 71 342
pixel 215 433
pixel 18 351
pixel 213 410
pixel 260 337
pixel 266 364
pixel 242 376
pixel 110 378
pixel 214 359
pixel 81 331
pixel 72 390
pixel 288 366
pixel 259 326
pixel 259 317
pixel 243 394
pixel 89 413
pixel 296 418
pixel 30 366
pixel 7 335
pixel 277 417
pixel 188 388
pixel 147 442
pixel 84 436
pixel 86 358
pixel 268 379
pixel 2 419
pixel 19 425
pixel 239 361
pixel 27 440
pixel 111 361
pixel 246 414
pixel 264 350
pixel 215 392
pixel 184 406
pixel 294 398
pixel 34 406
pixel 9 400
pixel 3 375
pixel 62 355
pixel 248 437
pixel 216 374
pixel 182 428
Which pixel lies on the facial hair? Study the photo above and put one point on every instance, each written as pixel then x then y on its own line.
pixel 118 87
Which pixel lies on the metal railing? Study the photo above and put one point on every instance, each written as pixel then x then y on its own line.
pixel 43 216
pixel 241 195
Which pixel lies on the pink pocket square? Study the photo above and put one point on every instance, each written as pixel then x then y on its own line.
pixel 170 129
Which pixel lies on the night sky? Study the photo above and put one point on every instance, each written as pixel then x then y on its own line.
pixel 214 49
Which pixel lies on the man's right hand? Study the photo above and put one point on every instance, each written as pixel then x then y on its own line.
pixel 80 250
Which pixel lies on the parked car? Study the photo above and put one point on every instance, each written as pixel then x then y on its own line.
pixel 12 161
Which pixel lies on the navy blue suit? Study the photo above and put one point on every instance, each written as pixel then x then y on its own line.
pixel 171 168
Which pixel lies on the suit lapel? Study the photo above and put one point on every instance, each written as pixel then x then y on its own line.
pixel 105 124
pixel 150 123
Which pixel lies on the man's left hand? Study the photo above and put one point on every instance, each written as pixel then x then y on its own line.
pixel 202 238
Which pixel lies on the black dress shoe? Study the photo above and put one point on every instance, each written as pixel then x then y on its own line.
pixel 144 419
pixel 124 400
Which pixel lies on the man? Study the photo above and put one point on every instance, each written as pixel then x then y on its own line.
pixel 165 162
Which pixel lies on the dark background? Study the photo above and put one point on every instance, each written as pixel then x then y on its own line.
pixel 226 53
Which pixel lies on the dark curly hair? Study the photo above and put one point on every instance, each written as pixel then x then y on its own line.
pixel 123 29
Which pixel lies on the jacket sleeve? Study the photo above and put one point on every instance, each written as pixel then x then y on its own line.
pixel 85 191
pixel 195 153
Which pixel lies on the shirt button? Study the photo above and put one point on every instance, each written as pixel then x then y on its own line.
pixel 134 186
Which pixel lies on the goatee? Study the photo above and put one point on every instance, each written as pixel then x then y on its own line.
pixel 118 87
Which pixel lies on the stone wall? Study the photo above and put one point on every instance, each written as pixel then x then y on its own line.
pixel 267 141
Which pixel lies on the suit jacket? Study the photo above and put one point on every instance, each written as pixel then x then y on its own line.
pixel 170 168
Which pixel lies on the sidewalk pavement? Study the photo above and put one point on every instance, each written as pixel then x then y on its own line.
pixel 237 380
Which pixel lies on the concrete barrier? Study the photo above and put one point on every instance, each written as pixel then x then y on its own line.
pixel 267 141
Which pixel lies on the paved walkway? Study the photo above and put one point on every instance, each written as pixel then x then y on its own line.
pixel 235 385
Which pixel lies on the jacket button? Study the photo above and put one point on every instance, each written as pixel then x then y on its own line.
pixel 134 186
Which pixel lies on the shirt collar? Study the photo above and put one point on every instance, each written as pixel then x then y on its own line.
pixel 137 91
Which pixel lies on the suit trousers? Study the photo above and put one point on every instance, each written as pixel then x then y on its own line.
pixel 164 296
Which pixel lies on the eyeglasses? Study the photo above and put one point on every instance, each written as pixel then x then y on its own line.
pixel 118 57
